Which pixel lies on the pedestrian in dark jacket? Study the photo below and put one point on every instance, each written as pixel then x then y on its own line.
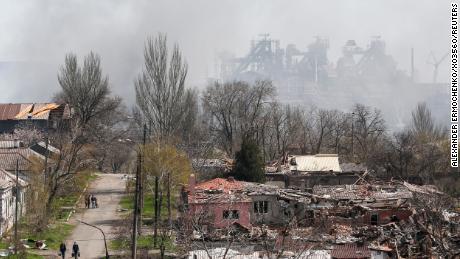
pixel 87 201
pixel 75 250
pixel 62 248
pixel 93 201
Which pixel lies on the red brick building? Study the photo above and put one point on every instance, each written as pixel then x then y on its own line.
pixel 219 202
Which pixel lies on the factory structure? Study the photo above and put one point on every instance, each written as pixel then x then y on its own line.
pixel 367 75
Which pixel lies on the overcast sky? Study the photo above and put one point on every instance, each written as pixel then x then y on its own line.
pixel 36 35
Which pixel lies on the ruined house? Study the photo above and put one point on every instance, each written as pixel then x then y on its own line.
pixel 365 217
pixel 367 204
pixel 218 203
pixel 305 171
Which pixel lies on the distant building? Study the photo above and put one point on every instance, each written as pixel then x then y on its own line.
pixel 305 171
pixel 41 116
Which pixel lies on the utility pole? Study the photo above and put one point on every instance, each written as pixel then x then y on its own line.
pixel 136 209
pixel 141 180
pixel 155 220
pixel 45 173
pixel 16 194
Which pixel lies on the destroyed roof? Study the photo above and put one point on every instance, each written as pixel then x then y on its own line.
pixel 214 162
pixel 362 192
pixel 24 111
pixel 425 189
pixel 316 163
pixel 353 167
pixel 351 251
pixel 220 184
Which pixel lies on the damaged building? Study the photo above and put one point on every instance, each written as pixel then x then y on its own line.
pixel 381 219
pixel 41 116
pixel 305 171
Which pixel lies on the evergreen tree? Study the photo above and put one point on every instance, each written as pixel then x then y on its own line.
pixel 249 163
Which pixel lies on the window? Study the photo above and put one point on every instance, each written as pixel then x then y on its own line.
pixel 261 207
pixel 374 219
pixel 231 214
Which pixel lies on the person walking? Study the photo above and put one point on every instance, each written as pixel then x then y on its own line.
pixel 87 201
pixel 75 250
pixel 93 201
pixel 62 248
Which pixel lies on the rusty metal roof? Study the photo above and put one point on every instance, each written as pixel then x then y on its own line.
pixel 24 111
pixel 351 251
pixel 9 110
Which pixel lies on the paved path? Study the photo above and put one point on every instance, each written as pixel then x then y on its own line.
pixel 108 188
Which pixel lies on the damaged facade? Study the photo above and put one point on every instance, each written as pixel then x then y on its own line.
pixel 380 219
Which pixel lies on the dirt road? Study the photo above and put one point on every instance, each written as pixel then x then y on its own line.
pixel 108 188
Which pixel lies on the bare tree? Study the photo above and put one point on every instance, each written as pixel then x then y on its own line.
pixel 86 91
pixel 160 89
pixel 369 128
pixel 236 110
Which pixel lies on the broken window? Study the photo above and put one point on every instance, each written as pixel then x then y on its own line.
pixel 261 207
pixel 231 214
pixel 374 219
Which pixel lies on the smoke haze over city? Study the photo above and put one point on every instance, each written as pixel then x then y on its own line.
pixel 36 35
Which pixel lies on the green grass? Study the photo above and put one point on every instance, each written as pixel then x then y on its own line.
pixel 54 235
pixel 127 202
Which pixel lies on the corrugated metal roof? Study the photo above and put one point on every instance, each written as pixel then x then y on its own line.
pixel 351 251
pixel 24 111
pixel 317 163
pixel 8 161
pixel 7 144
pixel 9 110
pixel 37 111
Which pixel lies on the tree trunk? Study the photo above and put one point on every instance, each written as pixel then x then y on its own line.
pixel 169 200
pixel 155 213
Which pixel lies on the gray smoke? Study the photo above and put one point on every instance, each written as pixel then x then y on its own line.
pixel 36 35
